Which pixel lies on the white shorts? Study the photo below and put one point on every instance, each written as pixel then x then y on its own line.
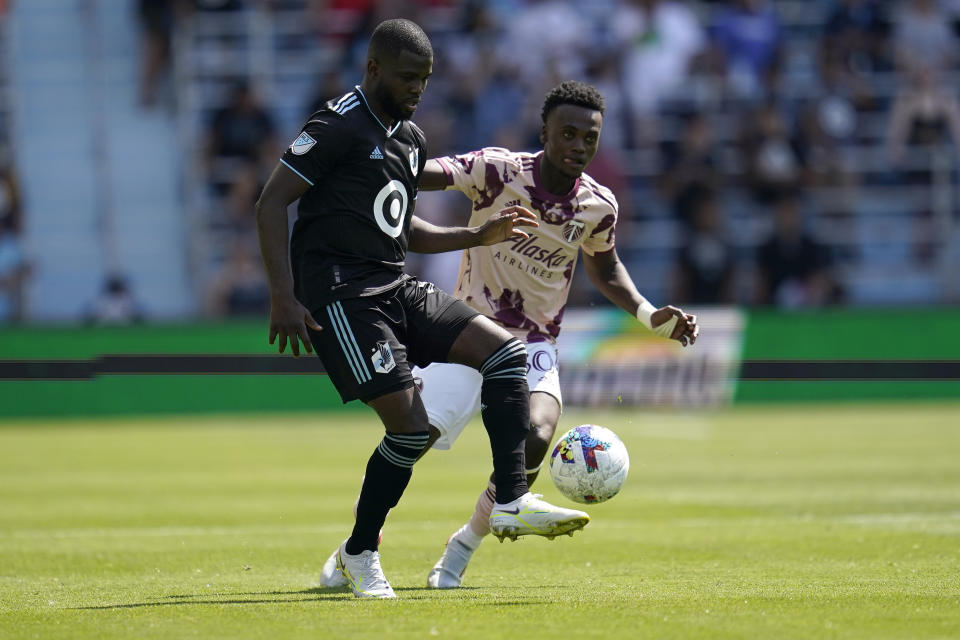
pixel 451 392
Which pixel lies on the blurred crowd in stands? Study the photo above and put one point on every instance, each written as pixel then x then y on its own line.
pixel 740 136
pixel 14 266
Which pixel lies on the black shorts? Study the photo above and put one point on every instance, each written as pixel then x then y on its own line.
pixel 368 344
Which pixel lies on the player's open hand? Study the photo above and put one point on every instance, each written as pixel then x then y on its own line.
pixel 686 330
pixel 289 320
pixel 507 223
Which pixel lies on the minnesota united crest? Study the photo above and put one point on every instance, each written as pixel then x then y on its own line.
pixel 382 358
pixel 415 161
pixel 573 230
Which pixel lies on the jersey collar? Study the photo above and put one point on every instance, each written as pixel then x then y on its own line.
pixel 396 125
pixel 542 192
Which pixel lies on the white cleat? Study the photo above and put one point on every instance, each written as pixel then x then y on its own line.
pixel 330 575
pixel 449 570
pixel 529 515
pixel 364 574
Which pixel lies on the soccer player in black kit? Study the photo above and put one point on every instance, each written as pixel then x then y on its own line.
pixel 338 286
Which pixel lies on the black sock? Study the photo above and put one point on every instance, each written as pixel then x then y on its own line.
pixel 505 407
pixel 388 473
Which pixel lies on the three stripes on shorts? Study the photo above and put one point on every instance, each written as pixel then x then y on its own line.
pixel 348 343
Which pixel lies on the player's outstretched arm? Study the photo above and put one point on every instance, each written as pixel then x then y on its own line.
pixel 433 177
pixel 288 318
pixel 503 225
pixel 611 278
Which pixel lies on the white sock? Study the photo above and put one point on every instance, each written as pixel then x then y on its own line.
pixel 466 535
pixel 480 520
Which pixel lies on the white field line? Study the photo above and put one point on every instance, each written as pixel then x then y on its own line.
pixel 946 522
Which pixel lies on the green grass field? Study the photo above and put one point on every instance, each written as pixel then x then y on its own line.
pixel 786 522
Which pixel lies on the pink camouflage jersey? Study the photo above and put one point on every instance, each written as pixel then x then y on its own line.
pixel 523 283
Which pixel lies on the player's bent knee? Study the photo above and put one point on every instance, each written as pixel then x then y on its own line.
pixel 540 433
pixel 401 411
pixel 508 362
pixel 433 435
pixel 477 341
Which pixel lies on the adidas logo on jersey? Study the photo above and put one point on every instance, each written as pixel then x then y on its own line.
pixel 376 154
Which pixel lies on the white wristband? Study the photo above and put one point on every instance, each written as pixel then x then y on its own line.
pixel 644 311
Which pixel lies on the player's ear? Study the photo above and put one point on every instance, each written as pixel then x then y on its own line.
pixel 373 69
pixel 543 134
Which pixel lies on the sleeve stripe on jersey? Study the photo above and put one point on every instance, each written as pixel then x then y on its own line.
pixel 296 172
pixel 349 104
pixel 343 99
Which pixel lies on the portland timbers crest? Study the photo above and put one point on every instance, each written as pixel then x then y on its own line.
pixel 573 230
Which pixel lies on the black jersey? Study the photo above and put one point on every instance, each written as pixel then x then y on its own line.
pixel 351 234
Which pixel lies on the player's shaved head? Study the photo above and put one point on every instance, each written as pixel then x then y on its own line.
pixel 391 37
pixel 579 94
pixel 399 63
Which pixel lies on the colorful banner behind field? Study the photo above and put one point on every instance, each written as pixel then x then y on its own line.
pixel 608 358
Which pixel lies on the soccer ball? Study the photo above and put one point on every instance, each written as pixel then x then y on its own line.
pixel 589 464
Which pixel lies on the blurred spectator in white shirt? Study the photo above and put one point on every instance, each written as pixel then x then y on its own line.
pixel 657 40
pixel 547 41
pixel 115 305
pixel 923 37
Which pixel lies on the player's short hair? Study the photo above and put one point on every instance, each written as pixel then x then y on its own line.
pixel 393 36
pixel 572 92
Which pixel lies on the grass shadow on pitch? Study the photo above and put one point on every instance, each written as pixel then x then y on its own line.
pixel 320 594
pixel 322 591
pixel 179 600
